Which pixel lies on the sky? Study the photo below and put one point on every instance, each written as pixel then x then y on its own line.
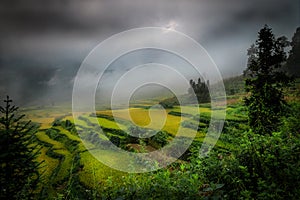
pixel 43 43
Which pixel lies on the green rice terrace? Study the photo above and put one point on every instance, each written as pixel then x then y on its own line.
pixel 71 171
pixel 239 160
pixel 68 161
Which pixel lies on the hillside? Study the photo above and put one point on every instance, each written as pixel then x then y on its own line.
pixel 233 86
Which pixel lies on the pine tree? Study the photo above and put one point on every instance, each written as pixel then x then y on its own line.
pixel 266 81
pixel 19 172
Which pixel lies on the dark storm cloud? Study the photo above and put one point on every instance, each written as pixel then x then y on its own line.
pixel 199 18
pixel 26 82
pixel 91 15
pixel 53 16
pixel 252 15
pixel 42 43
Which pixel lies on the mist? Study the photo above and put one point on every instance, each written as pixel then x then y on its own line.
pixel 43 43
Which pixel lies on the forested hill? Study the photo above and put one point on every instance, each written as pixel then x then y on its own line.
pixel 233 85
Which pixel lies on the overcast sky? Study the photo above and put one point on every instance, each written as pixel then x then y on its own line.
pixel 42 43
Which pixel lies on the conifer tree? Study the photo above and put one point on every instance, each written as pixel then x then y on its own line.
pixel 19 170
pixel 265 82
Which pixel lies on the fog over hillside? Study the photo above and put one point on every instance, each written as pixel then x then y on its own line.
pixel 43 43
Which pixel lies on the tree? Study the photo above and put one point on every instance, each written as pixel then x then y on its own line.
pixel 265 82
pixel 19 170
pixel 200 89
pixel 293 61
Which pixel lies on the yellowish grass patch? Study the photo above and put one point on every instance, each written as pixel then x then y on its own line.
pixel 141 118
pixel 49 163
pixel 94 172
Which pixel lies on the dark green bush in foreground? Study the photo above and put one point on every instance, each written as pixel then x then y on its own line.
pixel 264 167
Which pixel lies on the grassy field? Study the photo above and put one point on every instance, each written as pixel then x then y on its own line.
pixel 151 119
pixel 65 153
pixel 70 153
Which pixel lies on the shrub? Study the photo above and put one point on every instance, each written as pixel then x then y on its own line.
pixel 264 167
pixel 159 140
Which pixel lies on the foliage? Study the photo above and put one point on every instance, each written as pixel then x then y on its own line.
pixel 234 85
pixel 260 166
pixel 264 167
pixel 19 172
pixel 170 102
pixel 290 123
pixel 159 140
pixel 183 181
pixel 265 82
pixel 200 89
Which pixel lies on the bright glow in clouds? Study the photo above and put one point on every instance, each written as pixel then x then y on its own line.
pixel 171 26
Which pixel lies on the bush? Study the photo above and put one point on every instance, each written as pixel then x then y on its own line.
pixel 265 167
pixel 159 140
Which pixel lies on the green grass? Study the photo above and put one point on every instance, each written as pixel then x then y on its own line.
pixel 141 117
pixel 192 110
pixel 58 148
pixel 81 147
pixel 49 163
pixel 65 164
pixel 43 137
pixel 94 174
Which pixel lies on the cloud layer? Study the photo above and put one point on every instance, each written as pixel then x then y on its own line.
pixel 43 42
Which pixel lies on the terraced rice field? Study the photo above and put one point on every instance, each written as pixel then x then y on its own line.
pixel 65 154
pixel 151 119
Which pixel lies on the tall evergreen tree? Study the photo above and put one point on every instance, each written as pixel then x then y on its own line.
pixel 265 82
pixel 19 174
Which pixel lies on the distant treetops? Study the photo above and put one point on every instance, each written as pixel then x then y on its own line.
pixel 200 89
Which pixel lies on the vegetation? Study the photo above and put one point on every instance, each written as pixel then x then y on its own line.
pixel 200 89
pixel 238 167
pixel 265 82
pixel 19 172
pixel 234 85
pixel 263 167
pixel 169 103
